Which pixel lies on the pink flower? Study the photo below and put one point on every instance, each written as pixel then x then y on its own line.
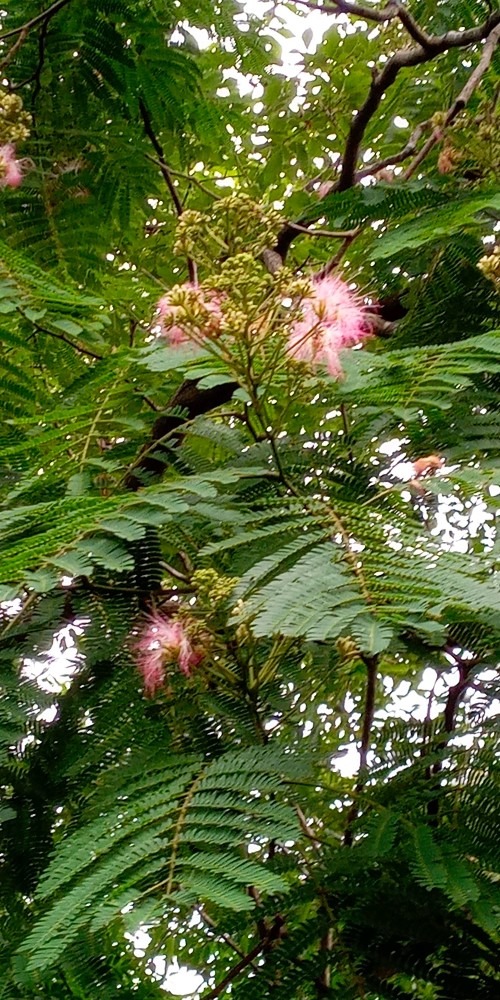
pixel 332 318
pixel 175 320
pixel 162 642
pixel 10 171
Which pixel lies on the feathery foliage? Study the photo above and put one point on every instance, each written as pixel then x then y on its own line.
pixel 249 468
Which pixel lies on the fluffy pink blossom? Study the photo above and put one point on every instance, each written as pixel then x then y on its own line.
pixel 332 318
pixel 162 642
pixel 174 321
pixel 10 170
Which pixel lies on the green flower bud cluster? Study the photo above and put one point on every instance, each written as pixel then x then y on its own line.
pixel 234 225
pixel 490 266
pixel 194 237
pixel 296 288
pixel 213 588
pixel 247 225
pixel 15 123
pixel 243 278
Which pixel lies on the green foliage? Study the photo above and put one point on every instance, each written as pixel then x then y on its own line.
pixel 248 671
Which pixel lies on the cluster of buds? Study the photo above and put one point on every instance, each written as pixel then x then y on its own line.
pixel 449 158
pixel 165 642
pixel 248 227
pixel 347 648
pixel 213 588
pixel 235 224
pixel 188 312
pixel 14 127
pixel 327 316
pixel 490 266
pixel 332 318
pixel 14 121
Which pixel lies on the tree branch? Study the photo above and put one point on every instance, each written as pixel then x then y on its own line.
pixel 67 340
pixel 186 177
pixel 435 45
pixel 390 161
pixel 194 401
pixel 460 102
pixel 272 937
pixel 44 16
pixel 371 663
pixel 455 692
pixel 165 169
pixel 13 49
pixel 225 937
pixel 387 13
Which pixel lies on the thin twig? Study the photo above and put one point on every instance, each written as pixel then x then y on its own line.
pixel 390 161
pixel 13 49
pixel 167 174
pixel 71 343
pixel 387 13
pixel 334 233
pixel 186 177
pixel 345 424
pixel 273 935
pixel 225 937
pixel 332 264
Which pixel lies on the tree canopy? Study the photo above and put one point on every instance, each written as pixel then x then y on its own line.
pixel 250 460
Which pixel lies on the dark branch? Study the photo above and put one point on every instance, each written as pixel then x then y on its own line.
pixel 46 15
pixel 455 693
pixel 162 163
pixel 435 45
pixel 193 402
pixel 273 935
pixel 225 937
pixel 387 13
pixel 67 340
pixel 148 128
pixel 460 102
pixel 368 712
pixel 37 75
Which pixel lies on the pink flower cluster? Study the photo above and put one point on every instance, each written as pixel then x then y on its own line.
pixel 10 170
pixel 162 642
pixel 174 320
pixel 332 318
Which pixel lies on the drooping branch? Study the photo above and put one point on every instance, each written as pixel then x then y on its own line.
pixel 13 49
pixel 67 340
